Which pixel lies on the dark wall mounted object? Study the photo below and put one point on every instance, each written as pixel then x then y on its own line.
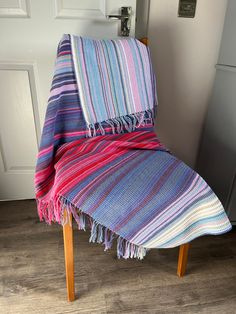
pixel 187 8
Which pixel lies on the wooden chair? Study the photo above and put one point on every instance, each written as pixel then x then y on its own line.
pixel 69 259
pixel 69 254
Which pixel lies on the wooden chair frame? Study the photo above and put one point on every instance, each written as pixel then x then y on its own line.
pixel 69 255
pixel 69 259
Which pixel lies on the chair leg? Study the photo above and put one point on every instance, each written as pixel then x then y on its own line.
pixel 183 258
pixel 69 257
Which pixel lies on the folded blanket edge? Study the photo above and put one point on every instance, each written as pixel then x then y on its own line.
pixel 124 123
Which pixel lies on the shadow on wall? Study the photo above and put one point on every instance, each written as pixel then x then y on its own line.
pixel 220 179
pixel 168 114
pixel 184 53
pixel 179 118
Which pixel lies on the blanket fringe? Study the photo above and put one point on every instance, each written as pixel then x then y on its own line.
pixel 53 211
pixel 124 123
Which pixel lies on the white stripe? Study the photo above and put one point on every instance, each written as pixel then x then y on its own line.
pixel 80 87
pixel 152 225
pixel 187 220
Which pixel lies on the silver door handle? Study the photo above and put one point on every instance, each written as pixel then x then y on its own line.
pixel 125 18
pixel 117 17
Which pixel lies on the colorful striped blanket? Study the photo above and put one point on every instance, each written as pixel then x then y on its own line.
pixel 115 79
pixel 112 173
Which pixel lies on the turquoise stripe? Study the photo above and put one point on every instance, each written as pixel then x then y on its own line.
pixel 94 79
pixel 124 79
pixel 200 222
pixel 139 74
pixel 117 91
pixel 116 78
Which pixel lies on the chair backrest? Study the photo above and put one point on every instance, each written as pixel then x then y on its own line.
pixel 144 40
pixel 115 80
pixel 64 121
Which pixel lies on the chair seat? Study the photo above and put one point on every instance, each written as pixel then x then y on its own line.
pixel 146 196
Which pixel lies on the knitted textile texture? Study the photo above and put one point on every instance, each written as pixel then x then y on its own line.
pixel 101 161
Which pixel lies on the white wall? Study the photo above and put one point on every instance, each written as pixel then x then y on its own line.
pixel 184 53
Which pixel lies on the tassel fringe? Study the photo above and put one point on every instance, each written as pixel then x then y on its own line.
pixel 125 123
pixel 53 211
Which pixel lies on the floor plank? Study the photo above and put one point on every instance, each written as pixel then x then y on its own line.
pixel 33 276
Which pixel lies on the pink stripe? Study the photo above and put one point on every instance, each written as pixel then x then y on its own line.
pixel 63 88
pixel 133 77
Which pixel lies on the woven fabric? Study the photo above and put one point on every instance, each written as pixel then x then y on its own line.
pixel 123 185
pixel 115 79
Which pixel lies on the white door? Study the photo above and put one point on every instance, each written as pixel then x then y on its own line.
pixel 29 34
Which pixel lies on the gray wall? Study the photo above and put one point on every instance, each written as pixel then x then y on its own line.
pixel 184 53
pixel 142 16
pixel 217 157
pixel 228 44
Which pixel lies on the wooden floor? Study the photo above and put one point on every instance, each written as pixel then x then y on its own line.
pixel 33 279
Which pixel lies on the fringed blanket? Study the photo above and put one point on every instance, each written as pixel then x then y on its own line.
pixel 103 163
pixel 115 80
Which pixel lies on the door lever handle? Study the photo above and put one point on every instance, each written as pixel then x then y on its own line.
pixel 125 18
pixel 117 17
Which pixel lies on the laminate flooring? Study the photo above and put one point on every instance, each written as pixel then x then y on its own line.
pixel 32 276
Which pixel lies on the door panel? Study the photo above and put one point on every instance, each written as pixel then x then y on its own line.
pixel 94 9
pixel 17 114
pixel 18 142
pixel 14 8
pixel 29 34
